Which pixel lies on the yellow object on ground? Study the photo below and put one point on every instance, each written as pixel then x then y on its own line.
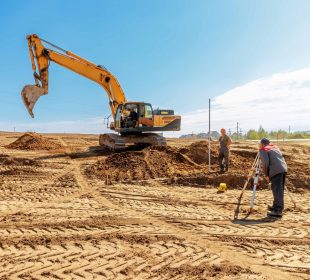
pixel 222 187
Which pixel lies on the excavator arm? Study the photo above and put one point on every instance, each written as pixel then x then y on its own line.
pixel 41 57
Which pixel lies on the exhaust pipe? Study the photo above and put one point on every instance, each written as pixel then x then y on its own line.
pixel 30 95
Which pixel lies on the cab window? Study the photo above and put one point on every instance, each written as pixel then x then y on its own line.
pixel 118 113
pixel 148 112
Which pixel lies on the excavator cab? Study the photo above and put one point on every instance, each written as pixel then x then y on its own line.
pixel 137 117
pixel 133 117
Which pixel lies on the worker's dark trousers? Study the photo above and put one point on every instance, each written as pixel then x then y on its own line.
pixel 223 154
pixel 277 187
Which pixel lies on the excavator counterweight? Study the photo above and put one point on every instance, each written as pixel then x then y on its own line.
pixel 134 121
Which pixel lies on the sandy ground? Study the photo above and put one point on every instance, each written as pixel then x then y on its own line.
pixel 62 217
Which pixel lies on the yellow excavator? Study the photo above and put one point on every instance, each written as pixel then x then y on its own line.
pixel 135 122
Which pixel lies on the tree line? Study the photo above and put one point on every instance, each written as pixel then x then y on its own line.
pixel 280 134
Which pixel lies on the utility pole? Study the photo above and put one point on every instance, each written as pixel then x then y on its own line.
pixel 209 134
pixel 237 131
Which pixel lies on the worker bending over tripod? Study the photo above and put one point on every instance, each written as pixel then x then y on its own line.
pixel 275 169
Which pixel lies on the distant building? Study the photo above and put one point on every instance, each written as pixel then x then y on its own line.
pixel 214 135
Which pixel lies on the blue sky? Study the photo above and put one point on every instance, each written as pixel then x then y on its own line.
pixel 170 53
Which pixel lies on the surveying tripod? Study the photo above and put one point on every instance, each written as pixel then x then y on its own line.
pixel 253 173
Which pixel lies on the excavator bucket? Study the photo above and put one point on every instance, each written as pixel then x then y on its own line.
pixel 30 95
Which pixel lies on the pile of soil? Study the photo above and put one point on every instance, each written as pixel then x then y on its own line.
pixel 7 160
pixel 232 179
pixel 204 271
pixel 150 163
pixel 199 152
pixel 17 166
pixel 33 141
pixel 188 166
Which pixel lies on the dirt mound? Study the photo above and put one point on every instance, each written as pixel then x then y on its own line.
pixel 232 179
pixel 203 271
pixel 186 166
pixel 17 166
pixel 16 161
pixel 306 150
pixel 150 163
pixel 33 141
pixel 199 152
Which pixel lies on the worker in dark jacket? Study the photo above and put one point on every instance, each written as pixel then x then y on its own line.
pixel 275 169
pixel 225 143
pixel 132 118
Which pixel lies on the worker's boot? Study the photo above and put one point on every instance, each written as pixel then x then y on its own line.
pixel 275 214
pixel 222 168
pixel 270 208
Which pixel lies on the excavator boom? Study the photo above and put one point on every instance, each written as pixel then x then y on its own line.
pixel 40 59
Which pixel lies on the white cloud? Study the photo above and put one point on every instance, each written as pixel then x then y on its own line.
pixel 275 102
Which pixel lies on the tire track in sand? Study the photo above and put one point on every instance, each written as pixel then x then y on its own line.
pixel 200 236
pixel 124 255
pixel 85 188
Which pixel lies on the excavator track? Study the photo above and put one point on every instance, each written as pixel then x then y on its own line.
pixel 118 142
pixel 112 141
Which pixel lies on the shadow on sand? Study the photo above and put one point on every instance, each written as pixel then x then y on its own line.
pixel 246 221
pixel 91 152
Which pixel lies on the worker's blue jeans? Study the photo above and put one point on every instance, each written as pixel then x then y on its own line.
pixel 277 187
